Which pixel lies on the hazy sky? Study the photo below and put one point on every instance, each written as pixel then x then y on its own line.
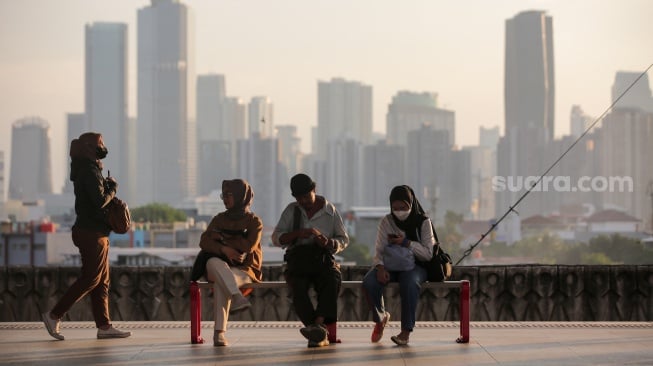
pixel 281 48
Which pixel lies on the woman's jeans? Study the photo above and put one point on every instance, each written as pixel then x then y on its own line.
pixel 409 290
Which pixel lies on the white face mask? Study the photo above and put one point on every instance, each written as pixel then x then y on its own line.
pixel 401 215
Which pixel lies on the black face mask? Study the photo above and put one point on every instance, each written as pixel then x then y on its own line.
pixel 101 152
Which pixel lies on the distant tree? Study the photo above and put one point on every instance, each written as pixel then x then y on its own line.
pixel 356 252
pixel 450 236
pixel 157 212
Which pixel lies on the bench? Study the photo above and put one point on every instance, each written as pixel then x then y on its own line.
pixel 196 302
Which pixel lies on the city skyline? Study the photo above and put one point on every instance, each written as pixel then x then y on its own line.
pixel 423 51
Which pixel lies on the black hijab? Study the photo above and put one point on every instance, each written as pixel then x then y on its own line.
pixel 413 223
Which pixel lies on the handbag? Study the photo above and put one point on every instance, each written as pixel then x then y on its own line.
pixel 117 216
pixel 398 258
pixel 439 267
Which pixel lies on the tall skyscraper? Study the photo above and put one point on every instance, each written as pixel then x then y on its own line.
pixel 31 176
pixel 76 126
pixel 578 121
pixel 344 177
pixel 216 153
pixel 258 162
pixel 261 117
pixel 106 92
pixel 344 110
pixel 166 108
pixel 639 96
pixel 529 74
pixel 234 120
pixel 383 168
pixel 211 93
pixel 409 111
pixel 529 96
pixel 289 148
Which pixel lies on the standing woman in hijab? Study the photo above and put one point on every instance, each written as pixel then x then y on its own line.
pixel 405 227
pixel 91 235
pixel 234 237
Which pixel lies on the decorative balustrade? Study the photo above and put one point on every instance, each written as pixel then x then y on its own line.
pixel 498 293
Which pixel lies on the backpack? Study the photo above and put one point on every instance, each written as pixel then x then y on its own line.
pixel 118 216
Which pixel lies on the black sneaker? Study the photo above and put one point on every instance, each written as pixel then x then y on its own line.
pixel 315 333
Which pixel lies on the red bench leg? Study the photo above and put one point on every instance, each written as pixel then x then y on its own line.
pixel 464 312
pixel 333 336
pixel 195 314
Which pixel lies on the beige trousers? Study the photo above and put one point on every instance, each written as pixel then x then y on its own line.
pixel 226 282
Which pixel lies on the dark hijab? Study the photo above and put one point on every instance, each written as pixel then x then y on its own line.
pixel 243 196
pixel 413 224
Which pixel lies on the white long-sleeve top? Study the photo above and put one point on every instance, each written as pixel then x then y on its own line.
pixel 422 249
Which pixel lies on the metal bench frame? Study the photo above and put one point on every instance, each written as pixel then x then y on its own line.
pixel 196 302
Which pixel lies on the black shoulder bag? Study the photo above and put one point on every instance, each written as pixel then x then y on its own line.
pixel 439 267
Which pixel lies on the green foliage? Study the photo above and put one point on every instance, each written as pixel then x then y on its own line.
pixel 356 252
pixel 449 236
pixel 157 212
pixel 549 249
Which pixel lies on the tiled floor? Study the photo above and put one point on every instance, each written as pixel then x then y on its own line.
pixel 269 343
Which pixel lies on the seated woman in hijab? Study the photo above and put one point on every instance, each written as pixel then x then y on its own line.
pixel 233 242
pixel 404 235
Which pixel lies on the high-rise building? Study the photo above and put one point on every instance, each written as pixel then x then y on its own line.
pixel 578 121
pixel 624 154
pixel 344 178
pixel 31 176
pixel 639 95
pixel 383 168
pixel 106 92
pixel 344 111
pixel 529 96
pixel 409 111
pixel 234 120
pixel 529 75
pixel 211 93
pixel 216 163
pixel 289 148
pixel 258 162
pixel 489 137
pixel 76 126
pixel 166 108
pixel 261 117
pixel 427 154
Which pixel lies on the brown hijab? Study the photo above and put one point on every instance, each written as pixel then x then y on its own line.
pixel 85 147
pixel 243 196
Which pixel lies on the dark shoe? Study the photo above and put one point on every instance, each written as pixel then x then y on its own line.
pixel 112 332
pixel 322 343
pixel 52 326
pixel 377 333
pixel 399 341
pixel 314 332
pixel 219 339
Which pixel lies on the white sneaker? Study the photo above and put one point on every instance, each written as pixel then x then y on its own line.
pixel 239 302
pixel 52 326
pixel 112 332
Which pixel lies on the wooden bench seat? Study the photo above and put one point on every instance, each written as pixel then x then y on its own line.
pixel 196 302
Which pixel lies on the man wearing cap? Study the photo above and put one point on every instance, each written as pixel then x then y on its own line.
pixel 311 230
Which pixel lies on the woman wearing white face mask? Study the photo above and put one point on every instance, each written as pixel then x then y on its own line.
pixel 403 236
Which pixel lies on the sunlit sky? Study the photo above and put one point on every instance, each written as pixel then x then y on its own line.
pixel 281 48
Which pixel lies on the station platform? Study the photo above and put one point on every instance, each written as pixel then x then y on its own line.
pixel 280 343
